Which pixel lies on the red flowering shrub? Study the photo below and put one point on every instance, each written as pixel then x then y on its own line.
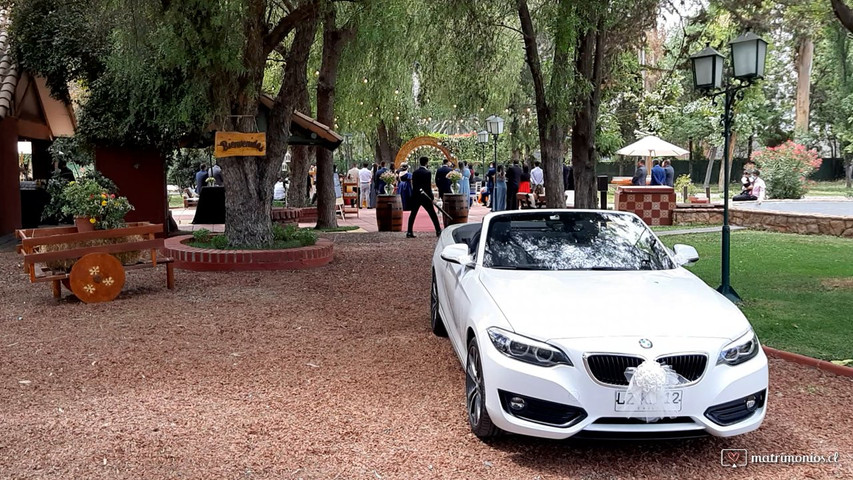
pixel 786 168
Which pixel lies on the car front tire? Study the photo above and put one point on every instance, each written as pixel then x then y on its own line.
pixel 435 317
pixel 475 395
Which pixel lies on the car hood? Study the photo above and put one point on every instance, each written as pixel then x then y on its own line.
pixel 576 304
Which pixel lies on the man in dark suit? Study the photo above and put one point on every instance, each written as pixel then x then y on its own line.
pixel 441 181
pixel 568 177
pixel 639 174
pixel 513 181
pixel 490 185
pixel 422 197
pixel 377 179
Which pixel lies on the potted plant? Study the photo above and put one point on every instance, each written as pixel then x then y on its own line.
pixel 454 177
pixel 390 179
pixel 686 187
pixel 93 206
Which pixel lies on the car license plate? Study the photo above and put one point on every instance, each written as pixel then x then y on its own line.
pixel 629 402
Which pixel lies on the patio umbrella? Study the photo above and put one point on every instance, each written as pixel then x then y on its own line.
pixel 651 146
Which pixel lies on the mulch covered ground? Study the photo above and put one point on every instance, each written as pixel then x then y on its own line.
pixel 321 374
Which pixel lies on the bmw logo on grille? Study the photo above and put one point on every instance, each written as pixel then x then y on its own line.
pixel 645 343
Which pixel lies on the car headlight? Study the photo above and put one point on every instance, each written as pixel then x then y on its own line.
pixel 739 351
pixel 526 349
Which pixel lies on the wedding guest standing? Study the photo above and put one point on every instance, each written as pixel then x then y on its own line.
pixel 513 181
pixel 500 195
pixel 422 197
pixel 465 183
pixel 441 181
pixel 364 178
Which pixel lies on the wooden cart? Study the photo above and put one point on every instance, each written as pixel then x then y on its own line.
pixel 95 275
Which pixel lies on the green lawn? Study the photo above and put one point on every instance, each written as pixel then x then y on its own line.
pixel 797 290
pixel 835 189
pixel 176 201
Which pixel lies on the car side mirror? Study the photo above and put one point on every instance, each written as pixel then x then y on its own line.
pixel 457 253
pixel 685 255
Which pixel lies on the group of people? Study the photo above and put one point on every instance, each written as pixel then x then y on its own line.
pixel 503 185
pixel 662 173
pixel 203 173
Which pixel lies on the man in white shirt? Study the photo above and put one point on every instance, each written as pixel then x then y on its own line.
pixel 278 190
pixel 757 191
pixel 365 176
pixel 759 188
pixel 537 182
pixel 352 177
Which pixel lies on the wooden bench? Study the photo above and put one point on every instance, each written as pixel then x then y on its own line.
pixel 95 275
pixel 523 201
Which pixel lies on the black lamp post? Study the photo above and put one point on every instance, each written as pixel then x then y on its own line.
pixel 482 140
pixel 495 126
pixel 748 55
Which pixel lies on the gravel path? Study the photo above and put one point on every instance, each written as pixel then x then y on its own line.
pixel 321 374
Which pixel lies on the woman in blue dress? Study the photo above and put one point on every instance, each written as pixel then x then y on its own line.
pixel 404 188
pixel 499 196
pixel 465 183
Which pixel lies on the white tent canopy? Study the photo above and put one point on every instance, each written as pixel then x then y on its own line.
pixel 652 146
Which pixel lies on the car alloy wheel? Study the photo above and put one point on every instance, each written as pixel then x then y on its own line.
pixel 435 318
pixel 475 395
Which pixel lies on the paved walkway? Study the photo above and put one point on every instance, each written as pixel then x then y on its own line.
pixel 807 206
pixel 366 220
pixel 684 231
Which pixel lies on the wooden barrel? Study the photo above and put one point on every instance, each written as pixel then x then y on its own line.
pixel 389 213
pixel 456 205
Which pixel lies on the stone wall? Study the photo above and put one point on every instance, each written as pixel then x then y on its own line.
pixel 692 215
pixel 800 223
pixel 811 224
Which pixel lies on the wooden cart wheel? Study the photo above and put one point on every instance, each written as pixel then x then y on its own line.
pixel 97 277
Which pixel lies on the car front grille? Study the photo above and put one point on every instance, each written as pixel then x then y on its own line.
pixel 610 369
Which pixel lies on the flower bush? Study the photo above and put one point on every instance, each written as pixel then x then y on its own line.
pixel 88 198
pixel 786 168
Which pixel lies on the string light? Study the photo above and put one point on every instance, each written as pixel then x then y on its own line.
pixel 316 73
pixel 365 80
pixel 396 92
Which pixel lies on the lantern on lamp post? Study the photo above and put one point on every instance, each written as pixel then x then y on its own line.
pixel 495 126
pixel 482 140
pixel 748 55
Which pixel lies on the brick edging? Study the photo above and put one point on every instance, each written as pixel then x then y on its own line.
pixel 210 260
pixel 809 361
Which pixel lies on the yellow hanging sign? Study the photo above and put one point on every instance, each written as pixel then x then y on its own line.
pixel 238 144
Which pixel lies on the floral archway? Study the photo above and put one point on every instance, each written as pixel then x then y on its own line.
pixel 416 143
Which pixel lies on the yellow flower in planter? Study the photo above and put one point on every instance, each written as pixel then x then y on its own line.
pixel 92 220
pixel 103 203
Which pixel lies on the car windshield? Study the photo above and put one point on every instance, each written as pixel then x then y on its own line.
pixel 573 241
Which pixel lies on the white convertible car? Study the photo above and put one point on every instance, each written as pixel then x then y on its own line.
pixel 582 323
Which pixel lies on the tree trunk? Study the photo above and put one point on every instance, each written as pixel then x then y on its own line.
pixel 334 39
pixel 805 53
pixel 721 176
pixel 385 144
pixel 295 87
pixel 590 59
pixel 249 181
pixel 301 158
pixel 844 14
pixel 551 134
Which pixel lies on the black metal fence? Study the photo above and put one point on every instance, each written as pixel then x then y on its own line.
pixel 831 169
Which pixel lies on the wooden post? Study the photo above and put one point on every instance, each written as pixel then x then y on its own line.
pixel 56 288
pixel 170 276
